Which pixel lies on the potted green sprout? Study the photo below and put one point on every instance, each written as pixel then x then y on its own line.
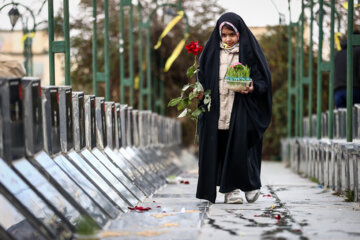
pixel 238 77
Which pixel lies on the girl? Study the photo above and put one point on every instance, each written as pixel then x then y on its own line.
pixel 230 134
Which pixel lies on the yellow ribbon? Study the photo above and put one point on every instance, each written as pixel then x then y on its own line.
pixel 167 29
pixel 175 53
pixel 337 41
pixel 28 35
pixel 346 5
pixel 137 78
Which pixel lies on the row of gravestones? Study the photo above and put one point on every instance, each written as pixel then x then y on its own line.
pixel 332 163
pixel 66 155
pixel 339 126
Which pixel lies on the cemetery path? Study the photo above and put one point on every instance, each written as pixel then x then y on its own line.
pixel 289 207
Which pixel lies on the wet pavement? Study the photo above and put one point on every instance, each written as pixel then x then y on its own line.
pixel 289 207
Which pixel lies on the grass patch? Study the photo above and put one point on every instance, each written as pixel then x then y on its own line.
pixel 349 194
pixel 314 179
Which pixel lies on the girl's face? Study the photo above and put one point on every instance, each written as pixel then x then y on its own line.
pixel 229 36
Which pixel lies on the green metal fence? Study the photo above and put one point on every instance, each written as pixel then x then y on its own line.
pixel 59 46
pixel 296 86
pixel 101 77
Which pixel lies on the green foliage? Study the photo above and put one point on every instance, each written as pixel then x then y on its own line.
pixel 81 49
pixel 190 71
pixel 185 101
pixel 349 194
pixel 314 179
pixel 238 71
pixel 275 47
pixel 84 225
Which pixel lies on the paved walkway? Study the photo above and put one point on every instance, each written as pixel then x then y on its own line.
pixel 289 207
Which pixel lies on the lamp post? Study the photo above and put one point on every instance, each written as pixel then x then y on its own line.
pixel 28 34
pixel 14 16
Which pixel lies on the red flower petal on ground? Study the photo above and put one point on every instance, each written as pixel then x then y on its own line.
pixel 256 215
pixel 142 208
pixel 266 195
pixel 182 181
pixel 186 182
pixel 278 216
pixel 158 206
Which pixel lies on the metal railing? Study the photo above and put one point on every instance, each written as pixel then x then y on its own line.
pixel 328 155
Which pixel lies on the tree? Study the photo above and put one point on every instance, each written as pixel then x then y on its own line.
pixel 275 47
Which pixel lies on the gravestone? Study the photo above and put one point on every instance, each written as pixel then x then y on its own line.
pixel 40 212
pixel 141 157
pixel 118 136
pixel 79 142
pixel 49 167
pixel 51 120
pixel 124 159
pixel 83 161
pixel 78 102
pixel 107 160
pixel 100 158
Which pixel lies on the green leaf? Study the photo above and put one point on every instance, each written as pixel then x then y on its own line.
pixel 184 103
pixel 192 95
pixel 207 92
pixel 207 99
pixel 181 105
pixel 175 101
pixel 190 72
pixel 185 87
pixel 188 101
pixel 197 113
pixel 199 87
pixel 183 114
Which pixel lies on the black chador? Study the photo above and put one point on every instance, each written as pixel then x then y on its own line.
pixel 250 116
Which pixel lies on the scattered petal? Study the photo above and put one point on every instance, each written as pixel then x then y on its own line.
pixel 266 195
pixel 186 182
pixel 278 216
pixel 158 206
pixel 142 208
pixel 139 208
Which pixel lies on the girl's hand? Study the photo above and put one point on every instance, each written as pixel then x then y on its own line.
pixel 200 95
pixel 248 89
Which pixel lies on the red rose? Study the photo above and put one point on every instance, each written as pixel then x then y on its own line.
pixel 194 48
